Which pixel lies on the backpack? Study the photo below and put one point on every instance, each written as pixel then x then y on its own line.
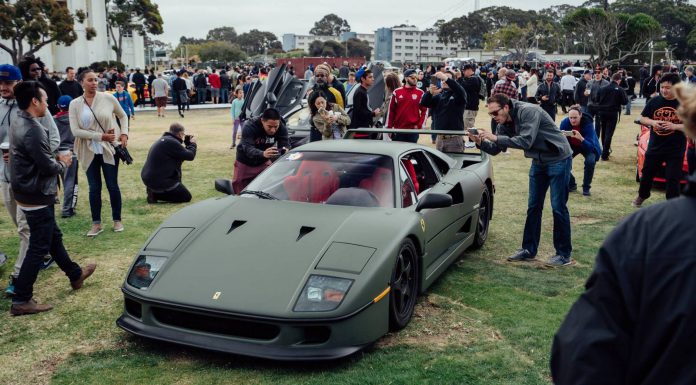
pixel 483 91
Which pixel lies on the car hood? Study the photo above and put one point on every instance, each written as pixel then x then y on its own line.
pixel 257 254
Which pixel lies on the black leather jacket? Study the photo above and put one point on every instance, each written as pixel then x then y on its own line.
pixel 33 168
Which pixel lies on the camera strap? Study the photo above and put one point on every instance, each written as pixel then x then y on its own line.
pixel 93 114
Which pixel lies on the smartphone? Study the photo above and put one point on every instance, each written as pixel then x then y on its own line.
pixel 473 131
pixel 439 83
pixel 281 150
pixel 567 132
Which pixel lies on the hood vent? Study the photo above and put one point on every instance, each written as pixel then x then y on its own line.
pixel 235 225
pixel 304 230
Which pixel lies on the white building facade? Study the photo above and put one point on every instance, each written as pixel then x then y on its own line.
pixel 84 52
pixel 409 44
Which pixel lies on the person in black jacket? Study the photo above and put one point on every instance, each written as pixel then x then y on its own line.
pixel 140 81
pixel 651 85
pixel 162 170
pixel 580 97
pixel 634 324
pixel 447 103
pixel 362 115
pixel 70 86
pixel 549 94
pixel 34 175
pixel 180 92
pixel 34 69
pixel 263 139
pixel 609 101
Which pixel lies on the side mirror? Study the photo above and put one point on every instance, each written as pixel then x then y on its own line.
pixel 224 186
pixel 434 201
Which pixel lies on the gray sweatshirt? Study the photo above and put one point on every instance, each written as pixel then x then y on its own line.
pixel 8 113
pixel 533 131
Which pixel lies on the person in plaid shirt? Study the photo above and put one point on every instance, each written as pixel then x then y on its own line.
pixel 507 87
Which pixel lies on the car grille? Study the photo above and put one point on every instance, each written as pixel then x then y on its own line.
pixel 216 324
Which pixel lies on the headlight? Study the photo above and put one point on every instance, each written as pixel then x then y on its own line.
pixel 144 271
pixel 322 293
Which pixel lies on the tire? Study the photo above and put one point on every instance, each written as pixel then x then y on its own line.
pixel 483 222
pixel 404 286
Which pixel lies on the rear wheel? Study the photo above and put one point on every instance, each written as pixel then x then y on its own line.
pixel 484 219
pixel 404 286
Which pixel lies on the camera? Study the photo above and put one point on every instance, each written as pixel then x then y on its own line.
pixel 282 151
pixel 187 139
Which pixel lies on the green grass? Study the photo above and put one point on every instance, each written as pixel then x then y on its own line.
pixel 484 322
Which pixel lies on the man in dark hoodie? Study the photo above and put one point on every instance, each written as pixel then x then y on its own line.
pixel 610 99
pixel 34 171
pixel 162 170
pixel 447 101
pixel 263 139
pixel 67 142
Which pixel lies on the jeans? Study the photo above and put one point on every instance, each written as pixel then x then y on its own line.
pixel 542 176
pixel 673 173
pixel 70 188
pixel 550 109
pixel 201 95
pixel 140 94
pixel 628 106
pixel 95 187
pixel 224 95
pixel 605 131
pixel 590 162
pixel 45 238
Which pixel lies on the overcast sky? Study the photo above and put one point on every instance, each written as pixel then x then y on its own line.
pixel 194 18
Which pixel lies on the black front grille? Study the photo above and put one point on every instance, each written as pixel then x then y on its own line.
pixel 134 308
pixel 216 324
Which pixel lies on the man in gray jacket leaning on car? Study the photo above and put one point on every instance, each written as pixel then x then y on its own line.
pixel 527 127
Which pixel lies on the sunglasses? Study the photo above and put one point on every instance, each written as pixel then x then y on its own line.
pixel 495 113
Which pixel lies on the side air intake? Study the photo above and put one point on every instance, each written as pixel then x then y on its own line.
pixel 236 225
pixel 304 230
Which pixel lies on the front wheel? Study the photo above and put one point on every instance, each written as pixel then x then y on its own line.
pixel 484 218
pixel 404 286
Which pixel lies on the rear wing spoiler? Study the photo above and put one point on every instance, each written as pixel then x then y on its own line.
pixel 351 132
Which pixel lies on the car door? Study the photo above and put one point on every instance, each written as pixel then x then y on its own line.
pixel 435 222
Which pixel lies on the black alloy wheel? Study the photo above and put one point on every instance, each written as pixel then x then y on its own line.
pixel 404 286
pixel 483 222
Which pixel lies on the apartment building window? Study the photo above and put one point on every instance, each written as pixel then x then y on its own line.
pixel 409 40
pixel 397 47
pixel 409 47
pixel 397 40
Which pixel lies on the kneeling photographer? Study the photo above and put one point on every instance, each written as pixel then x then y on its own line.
pixel 162 170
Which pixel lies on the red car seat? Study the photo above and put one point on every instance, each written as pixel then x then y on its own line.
pixel 412 173
pixel 382 185
pixel 314 182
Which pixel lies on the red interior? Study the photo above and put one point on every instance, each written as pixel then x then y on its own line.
pixel 380 184
pixel 412 173
pixel 314 182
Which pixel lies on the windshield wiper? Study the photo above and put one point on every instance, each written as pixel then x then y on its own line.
pixel 260 194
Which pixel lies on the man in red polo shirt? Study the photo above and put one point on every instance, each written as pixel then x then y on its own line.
pixel 215 84
pixel 405 110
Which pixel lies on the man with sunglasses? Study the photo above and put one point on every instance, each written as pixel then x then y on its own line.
pixel 527 127
pixel 405 110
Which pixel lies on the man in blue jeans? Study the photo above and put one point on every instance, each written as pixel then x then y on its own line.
pixel 33 174
pixel 527 127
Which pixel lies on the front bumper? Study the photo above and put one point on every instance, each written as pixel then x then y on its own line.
pixel 270 338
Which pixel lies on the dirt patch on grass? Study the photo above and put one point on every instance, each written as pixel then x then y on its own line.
pixel 583 220
pixel 438 322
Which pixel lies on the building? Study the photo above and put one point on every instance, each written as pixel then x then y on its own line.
pixel 84 52
pixel 293 41
pixel 409 44
pixel 383 44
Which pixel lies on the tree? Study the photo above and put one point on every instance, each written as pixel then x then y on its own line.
pixel 255 42
pixel 471 28
pixel 130 17
pixel 37 23
pixel 222 34
pixel 315 48
pixel 519 40
pixel 359 48
pixel 220 50
pixel 613 33
pixel 330 25
pixel 677 18
pixel 333 48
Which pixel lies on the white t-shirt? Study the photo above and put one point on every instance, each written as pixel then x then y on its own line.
pixel 87 118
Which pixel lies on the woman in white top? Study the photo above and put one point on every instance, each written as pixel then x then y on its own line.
pixel 532 85
pixel 96 133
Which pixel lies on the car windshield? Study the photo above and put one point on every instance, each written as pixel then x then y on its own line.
pixel 347 179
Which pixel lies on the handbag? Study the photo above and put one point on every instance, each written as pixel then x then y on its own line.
pixel 120 152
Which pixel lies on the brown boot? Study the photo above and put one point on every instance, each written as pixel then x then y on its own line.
pixel 29 307
pixel 86 272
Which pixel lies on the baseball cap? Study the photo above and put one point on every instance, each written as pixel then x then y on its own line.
pixel 409 72
pixel 64 101
pixel 511 74
pixel 586 72
pixel 8 72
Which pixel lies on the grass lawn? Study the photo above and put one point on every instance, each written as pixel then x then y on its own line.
pixel 484 322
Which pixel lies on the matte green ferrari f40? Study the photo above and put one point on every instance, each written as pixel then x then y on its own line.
pixel 322 254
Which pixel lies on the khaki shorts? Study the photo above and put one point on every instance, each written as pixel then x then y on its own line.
pixel 450 143
pixel 469 118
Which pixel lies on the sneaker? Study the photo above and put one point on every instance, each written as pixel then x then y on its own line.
pixel 586 192
pixel 469 145
pixel 522 255
pixel 637 202
pixel 10 290
pixel 29 307
pixel 86 272
pixel 94 231
pixel 46 263
pixel 118 226
pixel 68 214
pixel 558 261
pixel 573 188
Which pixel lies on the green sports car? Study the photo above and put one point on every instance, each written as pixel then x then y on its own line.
pixel 324 253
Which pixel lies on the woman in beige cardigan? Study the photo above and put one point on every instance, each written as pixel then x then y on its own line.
pixel 92 123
